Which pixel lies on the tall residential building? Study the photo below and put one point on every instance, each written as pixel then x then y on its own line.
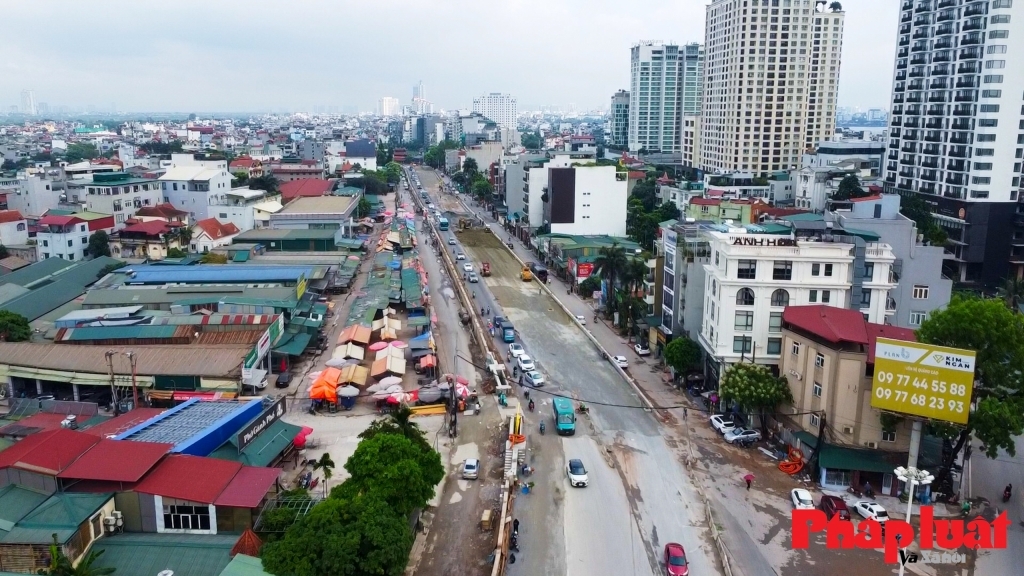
pixel 619 133
pixel 657 77
pixel 771 77
pixel 28 102
pixel 388 106
pixel 691 60
pixel 955 129
pixel 419 92
pixel 501 108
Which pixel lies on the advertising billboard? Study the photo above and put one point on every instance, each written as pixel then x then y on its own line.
pixel 923 380
pixel 272 414
pixel 269 337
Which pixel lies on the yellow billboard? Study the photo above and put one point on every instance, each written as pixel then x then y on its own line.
pixel 923 380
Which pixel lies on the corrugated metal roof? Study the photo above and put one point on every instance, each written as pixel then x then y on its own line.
pixel 248 488
pixel 37 271
pixel 261 451
pixel 183 422
pixel 49 452
pixel 242 565
pixel 172 294
pixel 39 421
pixel 62 511
pixel 116 461
pixel 229 337
pixel 191 478
pixel 246 273
pixel 150 554
pixel 124 422
pixel 88 333
pixel 16 502
pixel 170 360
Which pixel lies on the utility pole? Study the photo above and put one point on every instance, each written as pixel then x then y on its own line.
pixel 109 354
pixel 133 359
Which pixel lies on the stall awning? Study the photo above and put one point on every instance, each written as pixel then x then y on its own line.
pixel 241 256
pixel 264 449
pixel 354 375
pixel 390 351
pixel 182 396
pixel 296 345
pixel 417 321
pixel 355 333
pixel 350 350
pixel 388 365
pixel 428 361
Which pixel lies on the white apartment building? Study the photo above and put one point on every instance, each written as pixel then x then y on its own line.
pixel 389 106
pixel 67 237
pixel 771 77
pixel 195 188
pixel 585 200
pixel 120 194
pixel 502 108
pixel 752 277
pixel 660 74
pixel 13 228
pixel 691 141
pixel 955 131
pixel 618 130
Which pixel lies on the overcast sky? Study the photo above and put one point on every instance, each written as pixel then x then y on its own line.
pixel 230 55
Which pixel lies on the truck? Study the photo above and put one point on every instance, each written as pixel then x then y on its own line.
pixel 505 328
pixel 565 416
pixel 485 268
pixel 526 274
pixel 540 272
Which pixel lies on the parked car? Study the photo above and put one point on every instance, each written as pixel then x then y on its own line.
pixel 471 469
pixel 473 277
pixel 723 424
pixel 675 560
pixel 871 510
pixel 515 350
pixel 577 473
pixel 581 319
pixel 533 378
pixel 283 379
pixel 468 267
pixel 641 350
pixel 620 361
pixel 742 434
pixel 526 363
pixel 460 256
pixel 832 505
pixel 451 241
pixel 801 499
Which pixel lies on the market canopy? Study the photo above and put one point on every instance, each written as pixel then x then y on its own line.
pixel 388 334
pixel 294 346
pixel 354 375
pixel 387 366
pixel 428 361
pixel 389 351
pixel 350 350
pixel 355 333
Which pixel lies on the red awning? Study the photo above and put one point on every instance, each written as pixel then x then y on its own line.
pixel 428 361
pixel 203 395
pixel 248 488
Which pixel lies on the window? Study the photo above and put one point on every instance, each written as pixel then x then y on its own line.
pixel 997 49
pixel 183 515
pixel 85 240
pixel 817 389
pixel 775 322
pixel 995 64
pixel 815 421
pixel 815 269
pixel 1001 19
pixel 1002 4
pixel 780 298
pixel 814 296
pixel 987 138
pixel 716 257
pixel 987 122
pixel 795 349
pixel 744 320
pixel 747 270
pixel 819 360
pixel 81 228
pixel 917 318
pixel 981 180
pixel 991 93
pixel 742 344
pixel 46 242
pixel 828 269
pixel 920 292
pixel 783 270
pixel 888 436
pixel 982 165
pixel 71 243
pixel 984 151
pixel 999 34
pixel 993 79
pixel 745 297
pixel 865 298
pixel 869 270
pixel 774 346
pixel 826 295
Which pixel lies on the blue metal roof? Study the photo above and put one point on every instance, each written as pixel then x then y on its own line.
pixel 148 274
pixel 195 427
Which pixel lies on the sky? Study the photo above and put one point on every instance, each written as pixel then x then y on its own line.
pixel 230 55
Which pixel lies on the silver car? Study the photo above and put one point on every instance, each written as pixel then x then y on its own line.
pixel 471 469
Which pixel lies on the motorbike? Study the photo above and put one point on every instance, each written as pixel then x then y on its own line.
pixel 542 428
pixel 530 405
pixel 1006 495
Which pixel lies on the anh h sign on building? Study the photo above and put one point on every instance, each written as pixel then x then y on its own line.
pixel 923 380
pixel 763 241
pixel 268 417
pixel 267 339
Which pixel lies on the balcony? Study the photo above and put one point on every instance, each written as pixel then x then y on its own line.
pixel 908 5
pixel 943 70
pixel 970 39
pixel 960 137
pixel 968 82
pixel 939 84
pixel 907 173
pixel 945 4
pixel 928 188
pixel 944 30
pixel 911 136
pixel 956 165
pixel 969 96
pixel 963 110
pixel 946 16
pixel 933 138
pixel 907 17
pixel 893 155
pixel 923 7
pixel 901 75
pixel 931 149
pixel 890 305
pixel 930 163
pixel 901 65
pixel 971 54
pixel 957 152
pixel 921 47
pixel 916 85
pixel 918 73
pixel 956 192
pixel 936 111
pixel 909 147
pixel 902 53
pixel 937 96
pixel 956 179
pixel 975 24
pixel 928 176
pixel 909 160
pixel 975 9
pixel 943 43
pixel 969 68
pixel 921 34
pixel 912 123
pixel 912 98
pixel 944 56
pixel 898 99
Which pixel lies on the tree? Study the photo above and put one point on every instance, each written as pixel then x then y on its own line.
pixel 667 211
pixel 647 191
pixel 4 253
pixel 469 166
pixel 60 564
pixel 266 182
pixel 589 286
pixel 753 387
pixel 239 179
pixel 176 253
pixel 81 151
pixel 327 465
pixel 394 172
pixel 363 208
pixel 14 327
pixel 394 467
pixel 110 268
pixel 372 183
pixel 533 141
pixel 988 327
pixel 914 207
pixel 1012 292
pixel 682 354
pixel 384 155
pixel 483 189
pixel 355 536
pixel 99 244
pixel 213 258
pixel 849 188
pixel 9 165
pixel 610 263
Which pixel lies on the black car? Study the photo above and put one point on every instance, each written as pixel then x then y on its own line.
pixel 283 379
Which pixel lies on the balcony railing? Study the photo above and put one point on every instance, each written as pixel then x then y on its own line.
pixel 943 43
pixel 913 98
pixel 969 68
pixel 977 24
pixel 909 160
pixel 942 57
pixel 969 97
pixel 930 163
pixel 957 165
pixel 956 179
pixel 959 137
pixel 931 149
pixel 945 3
pixel 970 82
pixel 975 9
pixel 963 111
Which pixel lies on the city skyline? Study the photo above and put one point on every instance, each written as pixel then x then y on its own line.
pixel 207 57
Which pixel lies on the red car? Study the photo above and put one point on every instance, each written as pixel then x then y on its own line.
pixel 675 560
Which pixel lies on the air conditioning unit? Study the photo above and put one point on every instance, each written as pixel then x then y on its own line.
pixel 847 429
pixel 871 445
pixel 795 374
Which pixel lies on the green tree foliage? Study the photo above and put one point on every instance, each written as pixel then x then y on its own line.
pixel 60 564
pixel 533 141
pixel 239 179
pixel 434 156
pixel 1012 292
pixel 352 536
pixel 161 147
pixel 754 388
pixel 110 268
pixel 326 464
pixel 610 263
pixel 14 327
pixel 372 182
pixel 590 285
pixel 396 469
pixel 385 155
pixel 483 189
pixel 682 354
pixel 470 166
pixel 212 258
pixel 988 327
pixel 99 244
pixel 81 151
pixel 266 182
pixel 914 207
pixel 176 253
pixel 9 165
pixel 363 208
pixel 42 157
pixel 849 188
pixel 647 191
pixel 394 172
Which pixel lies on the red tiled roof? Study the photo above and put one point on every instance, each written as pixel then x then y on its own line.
pixel 40 420
pixel 52 220
pixel 191 478
pixel 706 201
pixel 151 228
pixel 215 229
pixel 867 198
pixel 47 452
pixel 307 187
pixel 636 175
pixel 715 193
pixel 839 325
pixel 243 162
pixel 876 331
pixel 165 210
pixel 116 461
pixel 123 422
pixel 248 488
pixel 10 216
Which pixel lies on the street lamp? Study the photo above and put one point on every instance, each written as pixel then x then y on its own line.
pixel 912 476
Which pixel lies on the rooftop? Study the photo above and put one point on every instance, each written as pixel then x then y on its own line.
pixel 213 361
pixel 842 325
pixel 190 173
pixel 306 187
pixel 202 274
pixel 150 553
pixel 184 422
pixel 118 424
pixel 49 452
pixel 153 295
pixel 216 229
pixel 62 513
pixel 116 461
pixel 318 205
pixel 191 478
pixel 10 216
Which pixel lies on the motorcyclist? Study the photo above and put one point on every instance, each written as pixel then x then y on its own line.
pixel 531 405
pixel 1007 492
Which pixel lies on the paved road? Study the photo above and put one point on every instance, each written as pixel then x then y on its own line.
pixel 986 479
pixel 640 496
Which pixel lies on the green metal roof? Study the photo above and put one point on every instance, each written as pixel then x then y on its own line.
pixel 148 553
pixel 118 332
pixel 241 256
pixel 867 235
pixel 36 271
pixel 296 345
pixel 262 450
pixel 805 217
pixel 839 458
pixel 773 228
pixel 17 502
pixel 242 565
pixel 61 513
pixel 417 321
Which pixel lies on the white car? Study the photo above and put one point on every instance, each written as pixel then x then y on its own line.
pixel 801 499
pixel 460 256
pixel 533 378
pixel 526 363
pixel 471 469
pixel 467 267
pixel 641 350
pixel 871 510
pixel 742 435
pixel 577 473
pixel 723 424
pixel 473 278
pixel 451 241
pixel 621 362
pixel 581 319
pixel 515 350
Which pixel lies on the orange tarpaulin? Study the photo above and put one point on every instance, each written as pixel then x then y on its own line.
pixel 323 390
pixel 331 375
pixel 428 361
pixel 355 333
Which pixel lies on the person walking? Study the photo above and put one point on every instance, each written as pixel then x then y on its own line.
pixel 748 479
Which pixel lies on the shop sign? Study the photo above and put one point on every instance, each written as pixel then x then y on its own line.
pixel 259 425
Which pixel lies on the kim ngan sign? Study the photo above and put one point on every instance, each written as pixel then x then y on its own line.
pixel 923 380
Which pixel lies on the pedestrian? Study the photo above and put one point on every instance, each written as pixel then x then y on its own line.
pixel 515 526
pixel 684 413
pixel 748 479
pixel 748 483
